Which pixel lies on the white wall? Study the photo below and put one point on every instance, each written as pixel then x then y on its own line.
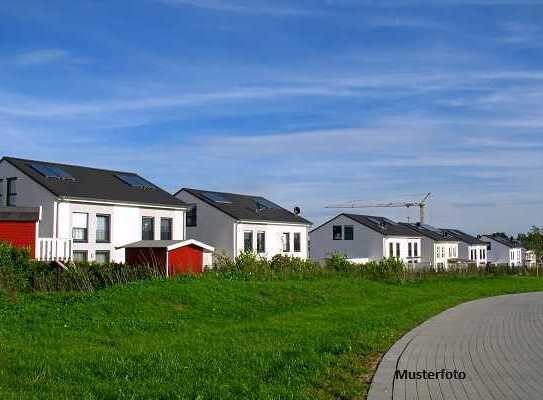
pixel 212 226
pixel 366 243
pixel 404 247
pixel 125 226
pixel 444 252
pixel 274 238
pixel 30 194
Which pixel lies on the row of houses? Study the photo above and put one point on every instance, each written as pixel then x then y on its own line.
pixel 70 212
pixel 363 238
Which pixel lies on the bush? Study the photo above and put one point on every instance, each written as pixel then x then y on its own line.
pixel 15 269
pixel 249 264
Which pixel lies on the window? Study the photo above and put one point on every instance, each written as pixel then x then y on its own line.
pixel 438 251
pixel 484 253
pixel 398 250
pixel 148 228
pixel 443 252
pixel 191 216
pixel 79 256
pixel 286 242
pixel 391 249
pixel 337 232
pixel 102 228
pixel 80 224
pixel 102 257
pixel 135 181
pixel 248 241
pixel 1 192
pixel 166 228
pixel 480 253
pixel 416 249
pixel 261 242
pixel 409 249
pixel 297 240
pixel 12 192
pixel 349 232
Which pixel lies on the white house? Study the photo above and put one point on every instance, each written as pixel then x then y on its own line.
pixel 531 258
pixel 438 248
pixel 87 213
pixel 363 238
pixel 234 223
pixel 504 250
pixel 470 248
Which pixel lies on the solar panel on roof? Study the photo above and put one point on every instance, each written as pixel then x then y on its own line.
pixel 135 181
pixel 51 171
pixel 216 197
pixel 262 203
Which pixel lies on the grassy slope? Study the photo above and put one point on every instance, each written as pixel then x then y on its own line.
pixel 210 338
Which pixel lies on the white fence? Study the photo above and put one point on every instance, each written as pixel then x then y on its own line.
pixel 50 249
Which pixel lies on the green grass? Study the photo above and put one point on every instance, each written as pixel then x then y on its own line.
pixel 212 338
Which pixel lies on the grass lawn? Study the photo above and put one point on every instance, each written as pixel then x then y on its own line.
pixel 212 338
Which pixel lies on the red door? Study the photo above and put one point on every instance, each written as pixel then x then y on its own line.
pixel 186 260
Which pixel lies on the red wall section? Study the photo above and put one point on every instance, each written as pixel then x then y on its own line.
pixel 20 234
pixel 186 259
pixel 155 257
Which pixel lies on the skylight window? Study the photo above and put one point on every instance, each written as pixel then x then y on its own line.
pixel 51 171
pixel 216 197
pixel 262 203
pixel 135 181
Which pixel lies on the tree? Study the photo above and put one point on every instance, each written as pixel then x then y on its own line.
pixel 533 240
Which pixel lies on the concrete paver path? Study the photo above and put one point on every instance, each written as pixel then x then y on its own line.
pixel 497 342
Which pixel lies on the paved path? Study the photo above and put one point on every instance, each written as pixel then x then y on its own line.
pixel 497 342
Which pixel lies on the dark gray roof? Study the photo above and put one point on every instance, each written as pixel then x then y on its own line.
pixel 505 240
pixel 463 236
pixel 430 232
pixel 383 225
pixel 245 207
pixel 19 214
pixel 150 243
pixel 94 184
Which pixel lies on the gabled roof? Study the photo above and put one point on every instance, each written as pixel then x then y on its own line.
pixel 430 232
pixel 244 207
pixel 84 183
pixel 167 244
pixel 382 225
pixel 503 239
pixel 463 236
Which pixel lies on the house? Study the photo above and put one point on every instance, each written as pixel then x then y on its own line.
pixel 470 248
pixel 85 214
pixel 438 248
pixel 504 250
pixel 531 258
pixel 363 238
pixel 234 223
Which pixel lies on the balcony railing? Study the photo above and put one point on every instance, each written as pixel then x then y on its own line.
pixel 50 249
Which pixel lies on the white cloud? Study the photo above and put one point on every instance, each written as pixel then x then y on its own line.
pixel 40 57
pixel 242 7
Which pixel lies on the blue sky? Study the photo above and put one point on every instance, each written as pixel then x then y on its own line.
pixel 306 102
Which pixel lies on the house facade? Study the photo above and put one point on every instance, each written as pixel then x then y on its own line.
pixel 86 214
pixel 438 248
pixel 233 223
pixel 363 238
pixel 504 250
pixel 470 248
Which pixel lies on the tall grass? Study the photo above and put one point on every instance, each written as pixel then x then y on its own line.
pixel 19 273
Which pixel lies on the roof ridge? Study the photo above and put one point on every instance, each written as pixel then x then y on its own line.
pixel 26 160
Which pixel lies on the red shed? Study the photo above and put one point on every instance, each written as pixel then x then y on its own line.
pixel 19 227
pixel 174 256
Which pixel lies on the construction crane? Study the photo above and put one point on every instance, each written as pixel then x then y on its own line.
pixel 421 204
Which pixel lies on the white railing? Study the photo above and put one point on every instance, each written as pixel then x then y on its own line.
pixel 50 249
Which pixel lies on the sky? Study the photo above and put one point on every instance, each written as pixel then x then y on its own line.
pixel 309 103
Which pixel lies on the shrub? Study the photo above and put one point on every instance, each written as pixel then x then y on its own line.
pixel 14 267
pixel 338 262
